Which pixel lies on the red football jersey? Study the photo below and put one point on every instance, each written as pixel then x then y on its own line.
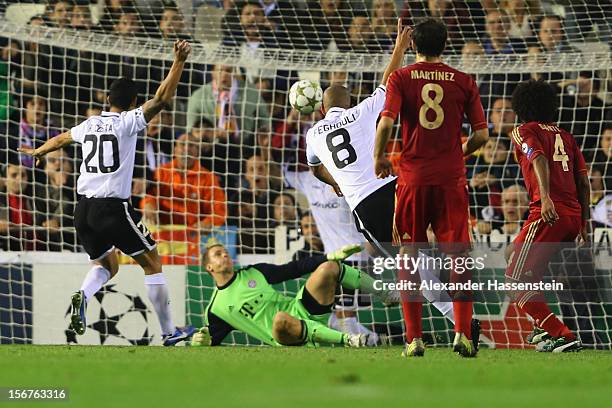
pixel 432 99
pixel 565 161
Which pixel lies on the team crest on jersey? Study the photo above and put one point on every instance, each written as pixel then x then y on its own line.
pixel 527 150
pixel 252 283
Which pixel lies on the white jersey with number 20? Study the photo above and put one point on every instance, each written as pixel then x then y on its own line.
pixel 343 141
pixel 108 144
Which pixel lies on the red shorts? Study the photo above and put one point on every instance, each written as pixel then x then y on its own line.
pixel 444 207
pixel 537 243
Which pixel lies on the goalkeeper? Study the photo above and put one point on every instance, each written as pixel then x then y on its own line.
pixel 245 300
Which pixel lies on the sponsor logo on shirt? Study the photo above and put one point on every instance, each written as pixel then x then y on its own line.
pixel 325 206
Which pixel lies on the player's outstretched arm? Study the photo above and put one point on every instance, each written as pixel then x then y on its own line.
pixel 341 254
pixel 292 270
pixel 478 139
pixel 51 145
pixel 402 43
pixel 167 89
pixel 542 171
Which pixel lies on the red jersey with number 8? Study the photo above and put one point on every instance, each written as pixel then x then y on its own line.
pixel 432 99
pixel 565 161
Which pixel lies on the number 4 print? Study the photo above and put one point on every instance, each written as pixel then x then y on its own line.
pixel 560 154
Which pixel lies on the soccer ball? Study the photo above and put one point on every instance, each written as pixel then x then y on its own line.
pixel 305 96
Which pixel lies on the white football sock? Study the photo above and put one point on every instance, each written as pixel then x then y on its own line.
pixel 439 298
pixel 158 295
pixel 332 323
pixel 351 325
pixel 94 280
pixel 357 327
pixel 446 308
pixel 343 324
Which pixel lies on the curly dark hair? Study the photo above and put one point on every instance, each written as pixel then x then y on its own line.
pixel 535 101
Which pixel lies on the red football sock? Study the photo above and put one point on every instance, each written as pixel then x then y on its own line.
pixel 412 306
pixel 463 317
pixel 546 319
pixel 413 315
pixel 462 301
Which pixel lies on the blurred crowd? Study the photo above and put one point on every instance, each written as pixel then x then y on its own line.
pixel 220 156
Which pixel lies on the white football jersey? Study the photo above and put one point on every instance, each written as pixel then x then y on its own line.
pixel 108 144
pixel 332 215
pixel 602 212
pixel 343 142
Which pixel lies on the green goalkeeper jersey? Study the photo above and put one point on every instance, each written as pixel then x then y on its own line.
pixel 248 302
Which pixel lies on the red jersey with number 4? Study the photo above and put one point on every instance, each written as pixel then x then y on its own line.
pixel 432 99
pixel 565 162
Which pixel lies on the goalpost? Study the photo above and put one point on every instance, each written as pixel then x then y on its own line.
pixel 56 77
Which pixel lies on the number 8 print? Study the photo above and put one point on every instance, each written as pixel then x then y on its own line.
pixel 345 145
pixel 431 104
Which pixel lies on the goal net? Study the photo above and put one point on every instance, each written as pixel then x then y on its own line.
pixel 227 161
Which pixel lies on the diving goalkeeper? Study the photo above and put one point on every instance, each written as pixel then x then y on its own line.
pixel 245 300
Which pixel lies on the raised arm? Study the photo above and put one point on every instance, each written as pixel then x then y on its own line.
pixel 167 89
pixel 292 270
pixel 51 145
pixel 295 269
pixel 393 106
pixel 402 43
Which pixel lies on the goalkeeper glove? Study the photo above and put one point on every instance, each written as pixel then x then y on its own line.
pixel 201 338
pixel 344 252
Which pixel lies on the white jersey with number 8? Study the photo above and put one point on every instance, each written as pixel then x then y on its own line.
pixel 108 144
pixel 343 142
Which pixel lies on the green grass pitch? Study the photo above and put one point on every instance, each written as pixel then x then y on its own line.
pixel 297 377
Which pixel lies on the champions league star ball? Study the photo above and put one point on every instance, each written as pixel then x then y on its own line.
pixel 114 318
pixel 305 96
